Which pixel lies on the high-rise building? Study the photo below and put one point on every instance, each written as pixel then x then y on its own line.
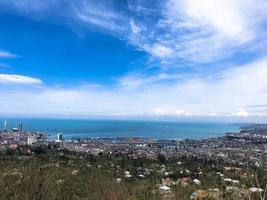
pixel 5 125
pixel 60 136
pixel 20 127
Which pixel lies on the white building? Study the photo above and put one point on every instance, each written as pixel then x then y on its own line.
pixel 59 137
pixel 5 125
pixel 31 140
pixel 164 187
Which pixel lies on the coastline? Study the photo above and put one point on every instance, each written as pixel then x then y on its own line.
pixel 125 128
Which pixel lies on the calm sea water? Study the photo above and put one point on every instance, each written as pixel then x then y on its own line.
pixel 121 128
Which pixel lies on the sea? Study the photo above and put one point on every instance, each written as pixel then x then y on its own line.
pixel 81 128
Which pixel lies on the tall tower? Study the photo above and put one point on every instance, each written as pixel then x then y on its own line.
pixel 5 125
pixel 20 127
pixel 60 136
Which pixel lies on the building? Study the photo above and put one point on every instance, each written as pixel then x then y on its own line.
pixel 59 137
pixel 20 127
pixel 5 125
pixel 31 140
pixel 13 145
pixel 15 130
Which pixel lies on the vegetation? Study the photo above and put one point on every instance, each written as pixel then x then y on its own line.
pixel 39 173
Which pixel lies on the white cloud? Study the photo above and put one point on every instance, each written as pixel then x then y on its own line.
pixel 201 31
pixel 211 30
pixel 240 113
pixel 224 17
pixel 159 50
pixel 36 9
pixel 212 114
pixel 18 79
pixel 99 15
pixel 226 94
pixel 198 31
pixel 6 54
pixel 135 80
pixel 169 112
pixel 134 27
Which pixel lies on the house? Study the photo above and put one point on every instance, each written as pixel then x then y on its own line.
pixel 196 181
pixel 165 190
pixel 13 146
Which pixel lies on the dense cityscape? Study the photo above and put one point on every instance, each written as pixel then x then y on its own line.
pixel 239 155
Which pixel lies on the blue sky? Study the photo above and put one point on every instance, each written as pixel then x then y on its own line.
pixel 134 58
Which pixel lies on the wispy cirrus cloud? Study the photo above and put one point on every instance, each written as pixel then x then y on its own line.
pixel 197 31
pixel 18 79
pixel 203 31
pixel 6 54
pixel 104 16
pixel 194 31
pixel 4 65
pixel 36 9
